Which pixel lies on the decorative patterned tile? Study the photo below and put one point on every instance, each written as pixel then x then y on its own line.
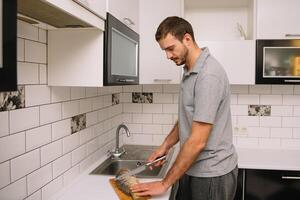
pixel 12 100
pixel 145 97
pixel 115 99
pixel 259 110
pixel 78 123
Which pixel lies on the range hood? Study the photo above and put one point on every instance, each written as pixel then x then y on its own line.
pixel 47 12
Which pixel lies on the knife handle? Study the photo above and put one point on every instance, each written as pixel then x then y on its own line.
pixel 156 160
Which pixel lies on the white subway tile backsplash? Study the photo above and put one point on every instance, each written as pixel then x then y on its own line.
pixel 127 117
pixel 152 129
pixel 291 100
pixel 35 52
pixel 50 113
pixel 152 108
pixel 271 99
pixel 37 137
pixel 171 88
pixel 91 118
pixel 20 49
pixel 52 188
pixel 296 132
pixel 4 174
pixel 97 103
pixel 142 118
pixel 19 120
pixel 297 111
pixel 51 152
pixel 239 89
pixel 28 73
pixel 239 110
pixel 281 132
pixel 70 143
pixel 61 165
pixel 61 129
pixel 59 94
pixel 292 122
pixel 266 121
pixel 86 135
pixel 162 118
pixel 132 108
pixel 27 31
pixel 36 196
pixel 260 89
pixel 245 142
pixel 233 99
pixel 297 89
pixel 134 128
pixel 269 143
pixel 77 93
pixel 132 88
pixel 175 98
pixel 248 120
pixel 126 98
pixel 43 74
pixel 70 175
pixel 158 139
pixel 107 100
pixel 170 108
pixel 259 132
pixel 282 89
pixel 4 126
pixel 14 191
pixel 39 178
pixel 248 99
pixel 37 95
pixel 290 143
pixel 116 89
pixel 25 164
pixel 152 88
pixel 42 35
pixel 281 110
pixel 162 98
pixel 17 141
pixel 91 92
pixel 70 109
pixel 92 146
pixel 85 105
pixel 79 154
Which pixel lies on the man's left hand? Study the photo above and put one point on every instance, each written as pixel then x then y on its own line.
pixel 151 188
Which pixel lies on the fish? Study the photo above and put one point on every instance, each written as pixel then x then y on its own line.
pixel 125 183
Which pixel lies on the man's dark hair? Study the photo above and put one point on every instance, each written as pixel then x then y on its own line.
pixel 176 26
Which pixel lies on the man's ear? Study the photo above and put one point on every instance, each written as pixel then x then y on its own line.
pixel 187 39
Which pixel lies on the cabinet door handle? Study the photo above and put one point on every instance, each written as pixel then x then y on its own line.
pixel 292 35
pixel 128 21
pixel 162 80
pixel 291 177
pixel 292 81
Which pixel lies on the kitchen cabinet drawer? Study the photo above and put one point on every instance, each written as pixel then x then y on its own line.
pixel 272 185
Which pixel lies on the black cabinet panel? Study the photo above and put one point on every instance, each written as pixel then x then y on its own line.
pixel 272 185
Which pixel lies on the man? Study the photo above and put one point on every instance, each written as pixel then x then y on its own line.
pixel 206 165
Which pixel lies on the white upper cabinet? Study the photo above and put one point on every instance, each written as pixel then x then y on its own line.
pixel 127 11
pixel 227 28
pixel 155 68
pixel 98 7
pixel 278 19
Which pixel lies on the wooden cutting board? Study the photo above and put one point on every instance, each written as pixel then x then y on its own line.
pixel 121 194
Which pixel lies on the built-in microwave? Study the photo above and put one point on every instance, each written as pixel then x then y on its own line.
pixel 121 53
pixel 278 61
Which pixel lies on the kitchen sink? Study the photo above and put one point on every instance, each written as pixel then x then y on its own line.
pixel 135 156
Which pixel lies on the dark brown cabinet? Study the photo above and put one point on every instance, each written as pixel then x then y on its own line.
pixel 8 45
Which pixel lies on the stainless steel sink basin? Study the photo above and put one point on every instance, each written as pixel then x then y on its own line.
pixel 135 156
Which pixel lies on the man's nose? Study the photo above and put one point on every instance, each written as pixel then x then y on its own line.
pixel 169 55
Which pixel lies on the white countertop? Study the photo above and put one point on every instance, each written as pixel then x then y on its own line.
pixel 97 187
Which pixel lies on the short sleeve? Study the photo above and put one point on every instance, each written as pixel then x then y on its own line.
pixel 208 97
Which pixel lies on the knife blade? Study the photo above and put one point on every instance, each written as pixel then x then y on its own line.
pixel 140 168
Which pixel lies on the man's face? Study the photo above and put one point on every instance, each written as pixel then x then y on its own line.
pixel 175 49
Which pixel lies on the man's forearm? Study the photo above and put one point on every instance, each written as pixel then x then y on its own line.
pixel 172 138
pixel 188 153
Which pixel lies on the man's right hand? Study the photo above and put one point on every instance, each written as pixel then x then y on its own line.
pixel 156 154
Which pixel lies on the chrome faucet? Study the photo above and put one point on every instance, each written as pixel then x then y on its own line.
pixel 118 152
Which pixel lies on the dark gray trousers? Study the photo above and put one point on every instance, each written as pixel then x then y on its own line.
pixel 212 188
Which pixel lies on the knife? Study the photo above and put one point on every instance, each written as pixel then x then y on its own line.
pixel 140 168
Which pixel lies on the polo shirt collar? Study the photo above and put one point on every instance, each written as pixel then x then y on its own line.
pixel 198 64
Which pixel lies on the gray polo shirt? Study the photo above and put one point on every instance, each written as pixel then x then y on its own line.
pixel 205 97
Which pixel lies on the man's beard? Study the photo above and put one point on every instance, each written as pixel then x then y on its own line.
pixel 182 59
